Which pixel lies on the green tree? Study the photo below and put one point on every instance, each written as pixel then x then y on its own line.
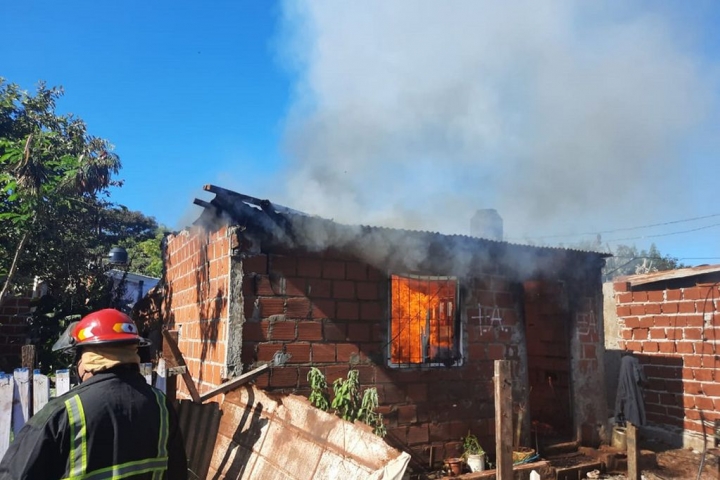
pixel 53 175
pixel 628 260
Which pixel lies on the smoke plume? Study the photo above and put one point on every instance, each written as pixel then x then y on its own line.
pixel 560 115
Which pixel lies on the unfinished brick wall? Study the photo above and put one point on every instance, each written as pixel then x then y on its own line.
pixel 13 332
pixel 674 332
pixel 197 266
pixel 332 313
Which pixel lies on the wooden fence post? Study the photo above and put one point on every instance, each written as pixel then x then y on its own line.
pixel 633 452
pixel 503 420
pixel 7 385
pixel 28 361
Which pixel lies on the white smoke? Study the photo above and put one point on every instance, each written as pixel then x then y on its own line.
pixel 414 113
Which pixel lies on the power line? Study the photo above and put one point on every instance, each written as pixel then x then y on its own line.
pixel 627 229
pixel 664 234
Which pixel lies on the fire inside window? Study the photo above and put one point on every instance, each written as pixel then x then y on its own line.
pixel 424 327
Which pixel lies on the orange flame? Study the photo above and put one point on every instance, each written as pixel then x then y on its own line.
pixel 423 310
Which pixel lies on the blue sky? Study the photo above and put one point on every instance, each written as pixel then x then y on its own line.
pixel 567 117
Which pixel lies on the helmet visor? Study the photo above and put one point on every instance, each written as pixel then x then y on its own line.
pixel 66 340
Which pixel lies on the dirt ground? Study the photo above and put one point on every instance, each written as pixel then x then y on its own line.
pixel 682 464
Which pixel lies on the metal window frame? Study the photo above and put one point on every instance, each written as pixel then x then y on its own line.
pixel 458 330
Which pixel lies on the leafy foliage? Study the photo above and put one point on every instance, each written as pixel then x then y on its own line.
pixel 56 223
pixel 350 402
pixel 471 445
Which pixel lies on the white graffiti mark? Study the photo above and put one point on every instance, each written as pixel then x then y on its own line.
pixel 488 317
pixel 586 322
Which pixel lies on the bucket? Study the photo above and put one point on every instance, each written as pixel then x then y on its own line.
pixel 619 439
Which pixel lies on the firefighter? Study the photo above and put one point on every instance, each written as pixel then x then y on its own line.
pixel 113 425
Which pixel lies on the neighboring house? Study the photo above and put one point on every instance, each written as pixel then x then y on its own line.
pixel 421 315
pixel 670 320
pixel 135 285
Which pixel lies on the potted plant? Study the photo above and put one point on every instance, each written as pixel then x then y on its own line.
pixel 473 453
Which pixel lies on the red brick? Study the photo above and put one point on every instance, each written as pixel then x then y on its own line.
pixel 318 288
pixel 686 307
pixel 657 296
pixel 266 351
pixel 657 333
pixel 348 311
pixel 650 347
pixel 334 372
pixel 367 290
pixel 684 347
pixel 335 332
pixel 323 309
pixel 692 360
pixel 298 308
pixel 692 333
pixel 640 333
pixel 589 351
pixel 673 295
pixel 375 274
pixel 323 353
pixel 346 352
pixel 255 264
pixel 646 322
pixel 286 265
pixel 637 310
pixel 417 435
pixel 333 269
pixel 632 322
pixel 300 352
pixel 667 347
pixel 623 310
pixel 407 414
pixel 372 311
pixel 625 297
pixel 271 306
pixel 711 389
pixel 254 332
pixel 621 286
pixel 662 321
pixel 268 287
pixel 652 309
pixel 309 331
pixel 296 286
pixel 343 289
pixel 284 377
pixel 626 334
pixel 704 374
pixel 694 320
pixel 356 271
pixel 309 267
pixel 417 392
pixel 633 346
pixel 669 307
pixel 359 332
pixel 496 352
pixel 639 297
pixel 285 330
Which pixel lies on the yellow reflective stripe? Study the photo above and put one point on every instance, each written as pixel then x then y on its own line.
pixel 164 430
pixel 124 470
pixel 78 440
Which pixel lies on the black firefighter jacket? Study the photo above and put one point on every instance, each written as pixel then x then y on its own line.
pixel 112 426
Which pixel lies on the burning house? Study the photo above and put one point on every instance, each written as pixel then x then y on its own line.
pixel 421 316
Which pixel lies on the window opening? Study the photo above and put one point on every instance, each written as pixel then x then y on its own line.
pixel 424 320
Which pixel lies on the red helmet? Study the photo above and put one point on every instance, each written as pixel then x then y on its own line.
pixel 103 327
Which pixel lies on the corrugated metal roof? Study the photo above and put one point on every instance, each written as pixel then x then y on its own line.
pixel 665 275
pixel 238 205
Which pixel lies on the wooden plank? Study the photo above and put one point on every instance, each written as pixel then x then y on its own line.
pixel 161 378
pixel 41 390
pixel 28 361
pixel 633 452
pixel 21 398
pixel 177 356
pixel 171 382
pixel 62 382
pixel 503 419
pixel 235 382
pixel 7 385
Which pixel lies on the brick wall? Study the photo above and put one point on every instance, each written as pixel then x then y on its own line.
pixel 13 331
pixel 674 332
pixel 196 301
pixel 332 313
